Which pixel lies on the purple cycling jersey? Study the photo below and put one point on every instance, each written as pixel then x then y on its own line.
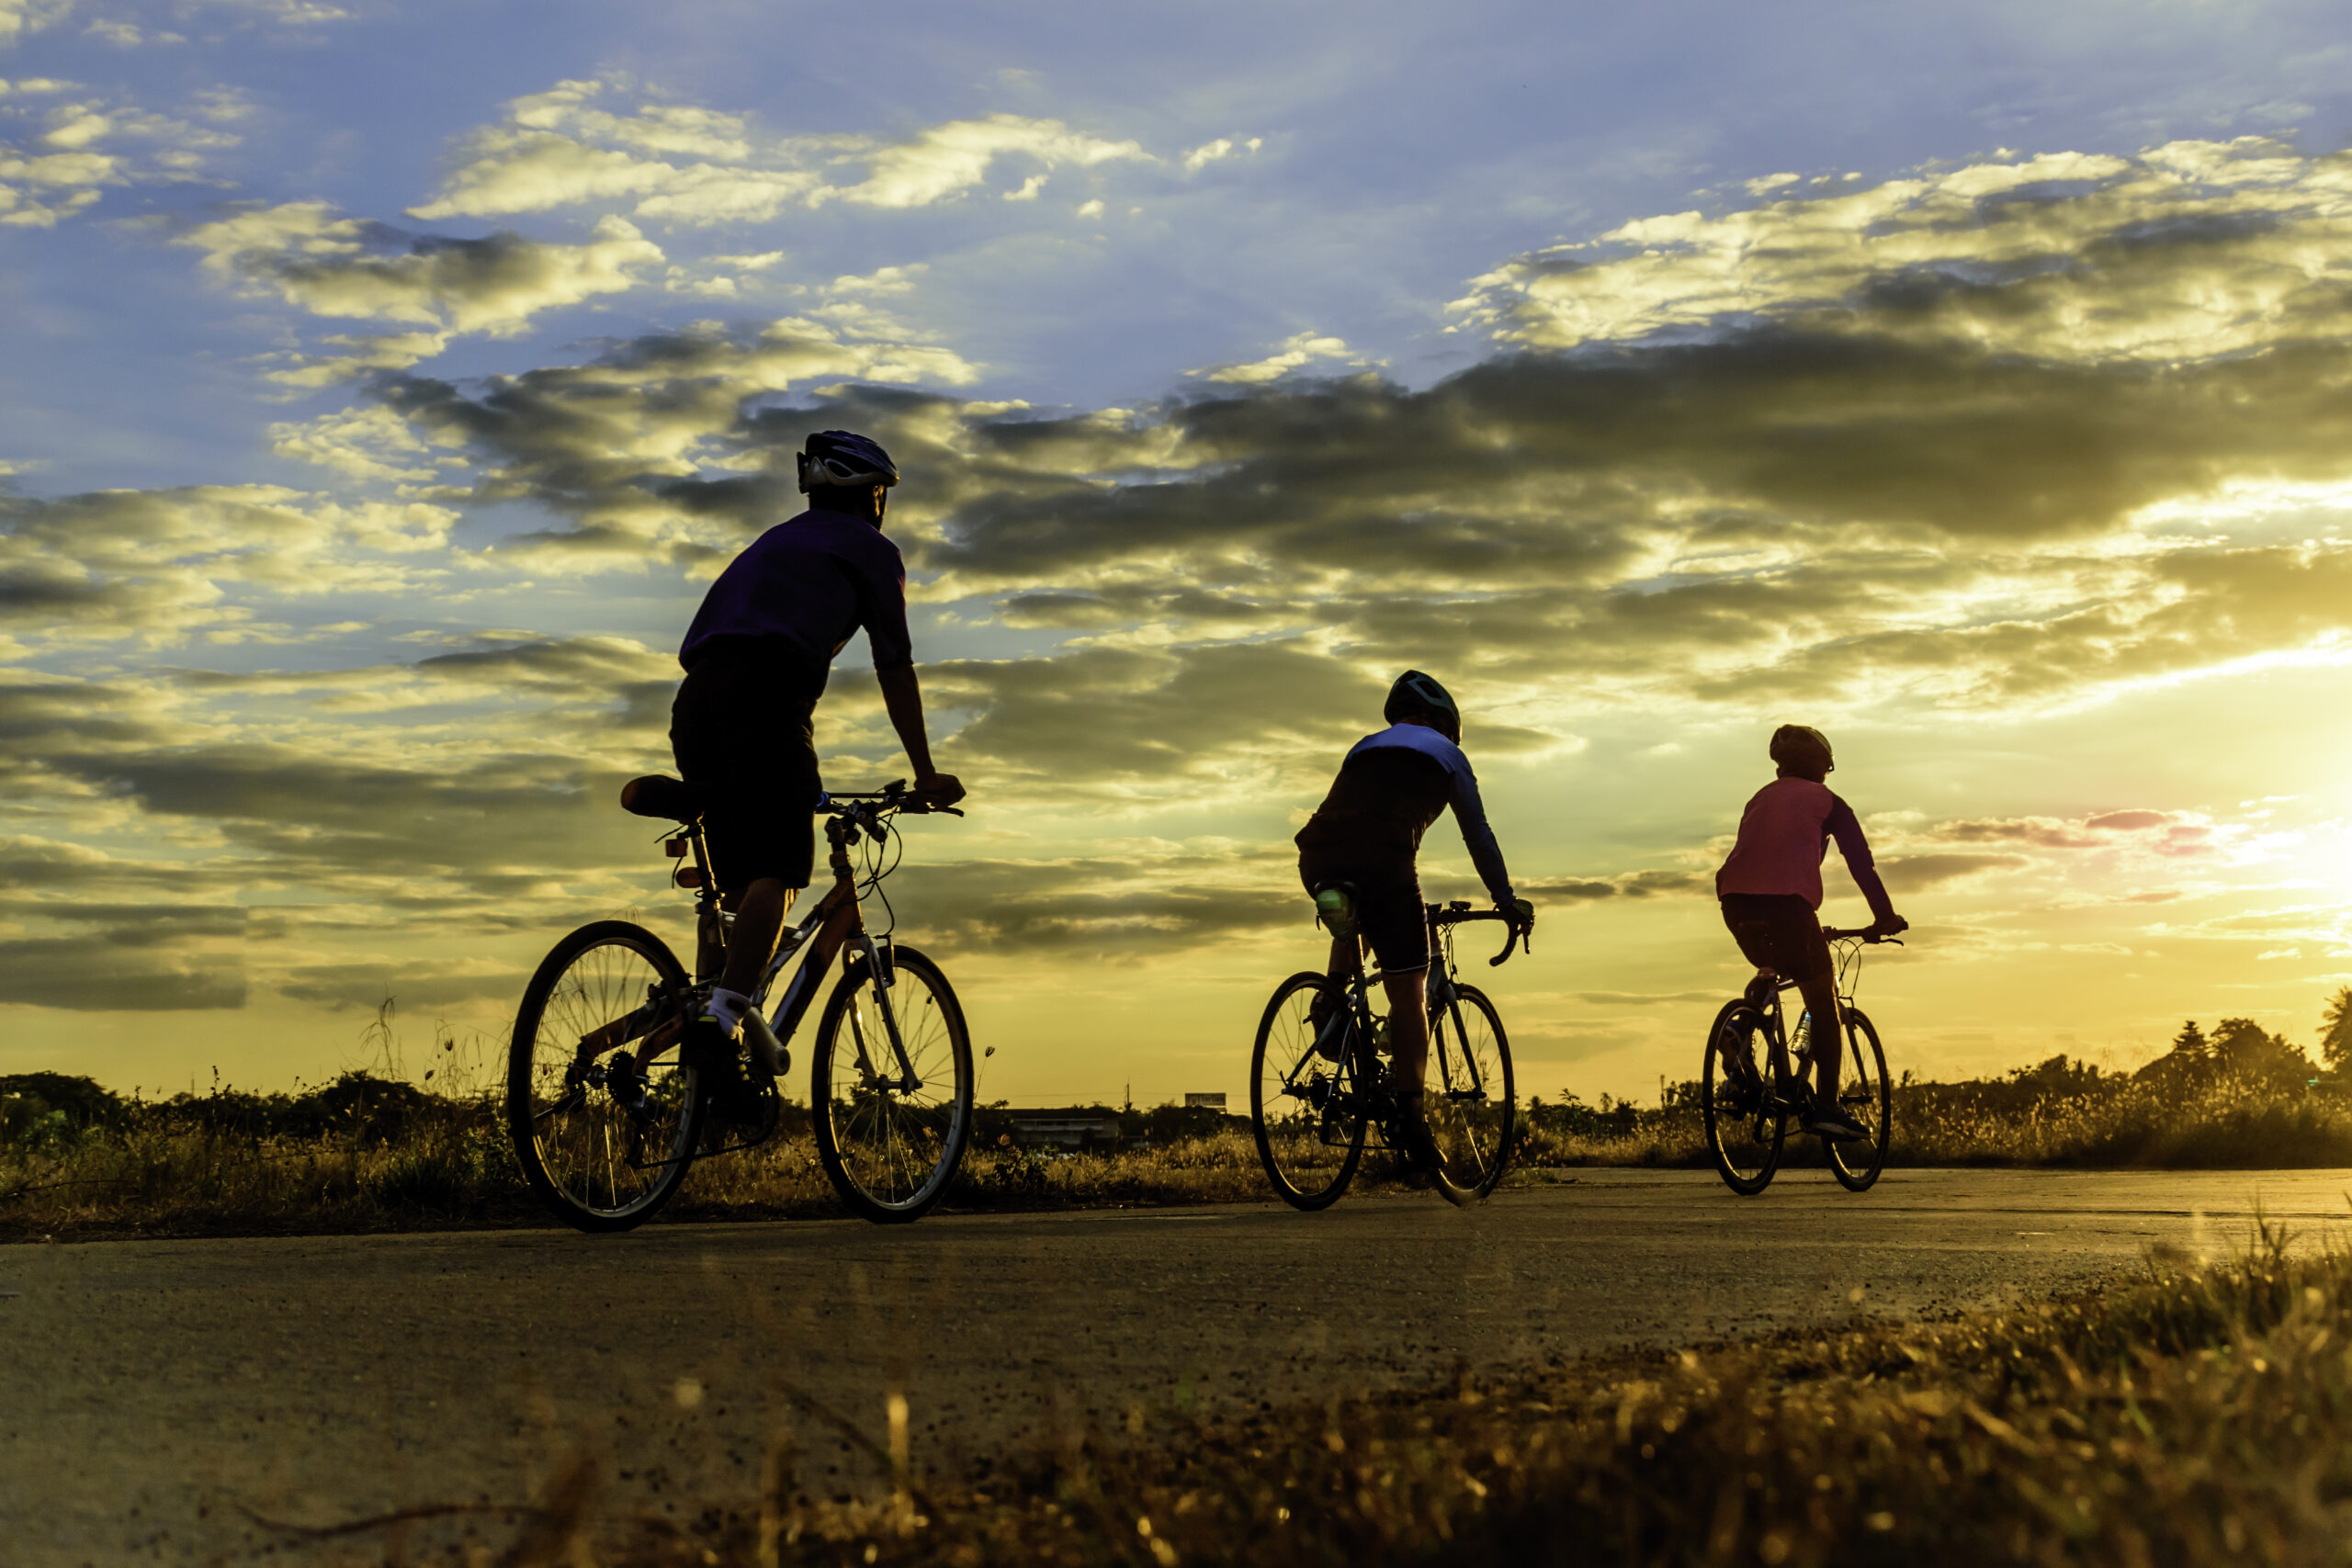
pixel 809 583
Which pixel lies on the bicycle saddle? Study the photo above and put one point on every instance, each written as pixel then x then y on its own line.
pixel 659 795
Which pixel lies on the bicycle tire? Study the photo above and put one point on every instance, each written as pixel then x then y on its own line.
pixel 1290 1140
pixel 861 1125
pixel 1864 1088
pixel 1475 1144
pixel 560 1112
pixel 1731 1110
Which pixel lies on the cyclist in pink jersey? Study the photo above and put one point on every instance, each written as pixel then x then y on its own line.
pixel 1770 890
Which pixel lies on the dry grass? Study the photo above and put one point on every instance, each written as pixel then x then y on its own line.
pixel 2119 1125
pixel 347 1158
pixel 456 1171
pixel 2187 1416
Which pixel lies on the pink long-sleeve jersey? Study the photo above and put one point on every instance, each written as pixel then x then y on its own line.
pixel 1783 835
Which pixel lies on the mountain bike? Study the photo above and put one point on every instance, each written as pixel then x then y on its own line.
pixel 1319 1087
pixel 606 1118
pixel 1747 1106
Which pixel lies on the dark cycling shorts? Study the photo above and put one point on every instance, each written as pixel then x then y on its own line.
pixel 1389 913
pixel 742 729
pixel 1779 931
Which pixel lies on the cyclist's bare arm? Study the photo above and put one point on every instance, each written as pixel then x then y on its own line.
pixel 903 696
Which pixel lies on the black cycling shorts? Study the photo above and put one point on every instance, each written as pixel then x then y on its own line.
pixel 1389 913
pixel 742 728
pixel 1779 931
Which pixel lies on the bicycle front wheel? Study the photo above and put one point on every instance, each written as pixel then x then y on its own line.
pixel 1743 1128
pixel 602 1115
pixel 1305 1108
pixel 893 1087
pixel 1468 1090
pixel 1864 1092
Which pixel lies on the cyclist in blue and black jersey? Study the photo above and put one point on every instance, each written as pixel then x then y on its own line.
pixel 1366 834
pixel 756 656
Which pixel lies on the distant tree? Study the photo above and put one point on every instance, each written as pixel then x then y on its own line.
pixel 2188 1063
pixel 84 1102
pixel 2335 1043
pixel 2059 1077
pixel 2245 1051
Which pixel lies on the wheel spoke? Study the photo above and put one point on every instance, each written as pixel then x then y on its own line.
pixel 890 1144
pixel 584 1143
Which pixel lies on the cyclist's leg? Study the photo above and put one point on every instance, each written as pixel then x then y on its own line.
pixel 741 729
pixel 1817 983
pixel 1751 925
pixel 759 921
pixel 1397 928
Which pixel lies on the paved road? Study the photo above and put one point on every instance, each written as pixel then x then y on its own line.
pixel 152 1392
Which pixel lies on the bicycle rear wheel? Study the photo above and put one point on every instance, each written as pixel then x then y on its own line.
pixel 602 1115
pixel 1469 1093
pixel 1744 1130
pixel 1862 1090
pixel 893 1110
pixel 1305 1109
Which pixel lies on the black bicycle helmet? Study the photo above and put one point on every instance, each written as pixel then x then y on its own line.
pixel 1416 693
pixel 839 459
pixel 1802 746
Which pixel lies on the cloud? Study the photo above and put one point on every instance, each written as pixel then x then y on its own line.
pixel 1836 514
pixel 2189 250
pixel 1222 148
pixel 332 265
pixel 678 164
pixel 155 564
pixel 621 448
pixel 21 18
pixel 1296 351
pixel 72 150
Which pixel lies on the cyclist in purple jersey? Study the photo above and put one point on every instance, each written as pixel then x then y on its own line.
pixel 756 658
pixel 1366 834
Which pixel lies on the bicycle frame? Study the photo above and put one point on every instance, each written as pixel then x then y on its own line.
pixel 1445 1001
pixel 849 819
pixel 1846 965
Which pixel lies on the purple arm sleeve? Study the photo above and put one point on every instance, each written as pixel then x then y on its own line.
pixel 1846 829
pixel 882 606
pixel 1470 816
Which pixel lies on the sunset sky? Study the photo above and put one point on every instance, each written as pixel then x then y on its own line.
pixel 381 382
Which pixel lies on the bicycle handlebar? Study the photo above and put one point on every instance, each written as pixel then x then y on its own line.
pixel 1869 934
pixel 1459 916
pixel 897 800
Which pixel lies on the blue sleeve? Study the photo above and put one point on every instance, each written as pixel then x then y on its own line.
pixel 881 583
pixel 1470 816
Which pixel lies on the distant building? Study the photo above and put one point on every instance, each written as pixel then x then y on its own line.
pixel 1075 1127
pixel 1210 1101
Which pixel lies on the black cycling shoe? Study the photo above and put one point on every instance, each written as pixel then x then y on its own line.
pixel 1418 1161
pixel 1830 1120
pixel 731 1099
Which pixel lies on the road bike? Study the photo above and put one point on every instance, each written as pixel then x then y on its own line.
pixel 1747 1106
pixel 1320 1086
pixel 606 1118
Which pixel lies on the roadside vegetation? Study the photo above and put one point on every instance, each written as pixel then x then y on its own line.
pixel 385 1148
pixel 2187 1415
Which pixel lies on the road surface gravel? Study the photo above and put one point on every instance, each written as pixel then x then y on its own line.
pixel 156 1397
